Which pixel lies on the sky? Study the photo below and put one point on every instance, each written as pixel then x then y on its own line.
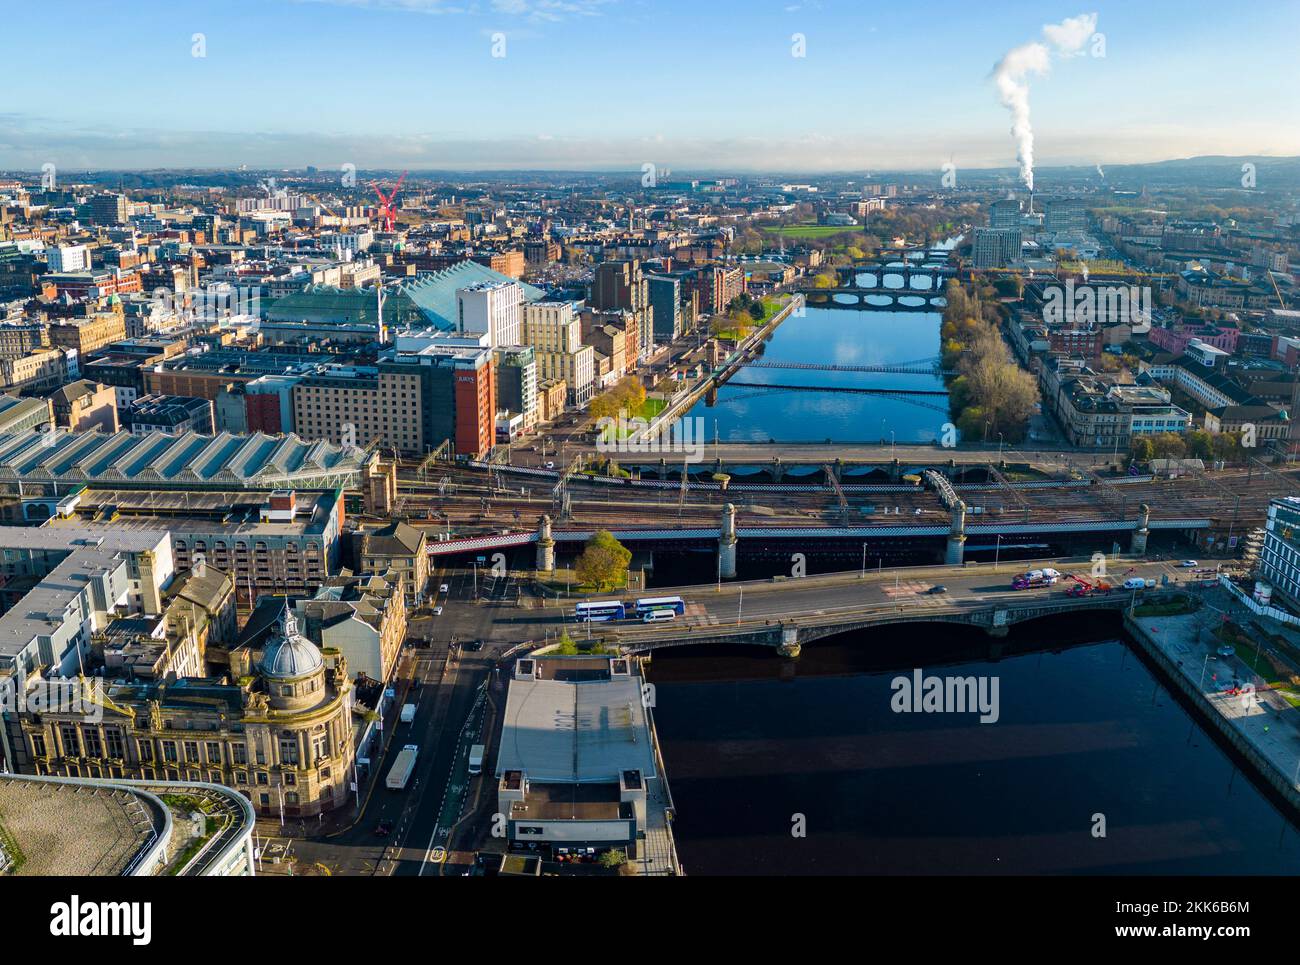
pixel 687 85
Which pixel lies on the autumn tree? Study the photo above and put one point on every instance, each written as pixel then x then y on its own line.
pixel 603 561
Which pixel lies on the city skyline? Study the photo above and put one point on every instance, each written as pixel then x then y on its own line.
pixel 606 85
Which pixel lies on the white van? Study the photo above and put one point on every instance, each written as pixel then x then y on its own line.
pixel 654 616
pixel 1135 583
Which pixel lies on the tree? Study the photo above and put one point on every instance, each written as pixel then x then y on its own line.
pixel 613 859
pixel 1143 449
pixel 603 561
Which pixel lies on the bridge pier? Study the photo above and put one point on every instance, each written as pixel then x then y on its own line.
pixel 778 469
pixel 545 546
pixel 789 642
pixel 895 470
pixel 1138 546
pixel 727 544
pixel 956 554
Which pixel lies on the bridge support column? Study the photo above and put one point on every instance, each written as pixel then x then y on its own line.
pixel 727 544
pixel 956 554
pixel 545 546
pixel 778 469
pixel 790 642
pixel 1138 546
pixel 895 471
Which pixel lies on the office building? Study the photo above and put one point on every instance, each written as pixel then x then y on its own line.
pixel 493 308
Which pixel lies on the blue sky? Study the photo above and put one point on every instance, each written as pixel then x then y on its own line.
pixel 612 84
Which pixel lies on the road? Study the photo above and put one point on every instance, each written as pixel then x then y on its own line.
pixel 452 678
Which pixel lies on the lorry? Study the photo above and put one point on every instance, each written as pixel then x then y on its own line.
pixel 401 770
pixel 408 713
pixel 476 759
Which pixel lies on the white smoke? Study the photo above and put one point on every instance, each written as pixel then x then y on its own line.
pixel 1101 172
pixel 1012 73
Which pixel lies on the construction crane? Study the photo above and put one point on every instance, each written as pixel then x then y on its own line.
pixel 386 212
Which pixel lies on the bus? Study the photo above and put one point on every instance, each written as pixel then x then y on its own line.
pixel 600 610
pixel 648 603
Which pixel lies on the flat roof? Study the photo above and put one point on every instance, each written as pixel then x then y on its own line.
pixel 76 829
pixel 562 731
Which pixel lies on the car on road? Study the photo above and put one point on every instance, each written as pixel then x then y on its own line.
pixel 1226 650
pixel 437 611
pixel 550 465
pixel 444 588
pixel 1135 583
pixel 937 588
pixel 1189 564
pixel 383 829
pixel 473 645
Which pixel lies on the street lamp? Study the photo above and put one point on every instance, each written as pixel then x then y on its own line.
pixel 997 551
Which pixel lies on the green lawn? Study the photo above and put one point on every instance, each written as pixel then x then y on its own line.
pixel 1246 649
pixel 812 231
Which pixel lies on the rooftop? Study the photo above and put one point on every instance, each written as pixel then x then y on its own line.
pixel 257 461
pixel 575 720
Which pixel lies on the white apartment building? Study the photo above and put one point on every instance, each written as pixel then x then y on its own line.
pixel 492 307
pixel 64 258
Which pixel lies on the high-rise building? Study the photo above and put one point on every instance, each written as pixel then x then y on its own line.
pixel 1004 213
pixel 493 308
pixel 1065 215
pixel 554 331
pixel 108 209
pixel 622 285
pixel 516 370
pixel 666 307
pixel 996 247
pixel 63 258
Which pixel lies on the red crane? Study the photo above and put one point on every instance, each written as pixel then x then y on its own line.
pixel 386 211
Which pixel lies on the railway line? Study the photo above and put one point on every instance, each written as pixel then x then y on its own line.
pixel 461 500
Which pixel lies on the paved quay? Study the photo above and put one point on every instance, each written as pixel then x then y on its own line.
pixel 1256 719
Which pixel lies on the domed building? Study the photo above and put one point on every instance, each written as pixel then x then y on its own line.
pixel 280 731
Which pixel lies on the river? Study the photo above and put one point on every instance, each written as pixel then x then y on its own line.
pixel 752 742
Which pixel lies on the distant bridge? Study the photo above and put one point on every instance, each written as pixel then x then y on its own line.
pixel 929 366
pixel 862 298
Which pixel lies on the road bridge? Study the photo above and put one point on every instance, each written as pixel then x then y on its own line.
pixel 791 633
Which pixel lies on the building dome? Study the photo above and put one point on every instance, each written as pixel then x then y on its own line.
pixel 288 653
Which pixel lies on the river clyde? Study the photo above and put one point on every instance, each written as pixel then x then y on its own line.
pixel 761 750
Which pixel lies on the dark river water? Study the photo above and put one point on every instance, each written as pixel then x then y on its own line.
pixel 752 741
